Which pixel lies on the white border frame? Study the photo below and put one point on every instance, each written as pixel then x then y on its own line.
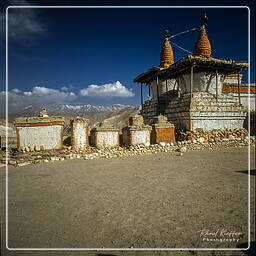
pixel 126 249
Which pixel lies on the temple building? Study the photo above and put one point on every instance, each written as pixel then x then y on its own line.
pixel 193 92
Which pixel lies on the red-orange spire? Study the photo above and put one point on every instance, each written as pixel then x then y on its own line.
pixel 166 56
pixel 202 45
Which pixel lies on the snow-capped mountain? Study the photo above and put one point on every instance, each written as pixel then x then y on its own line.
pixel 90 108
pixel 95 113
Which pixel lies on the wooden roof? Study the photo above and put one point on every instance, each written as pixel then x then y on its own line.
pixel 181 66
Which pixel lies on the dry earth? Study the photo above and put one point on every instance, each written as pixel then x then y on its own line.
pixel 154 201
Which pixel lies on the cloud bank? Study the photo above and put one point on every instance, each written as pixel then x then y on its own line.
pixel 38 96
pixel 107 90
pixel 41 96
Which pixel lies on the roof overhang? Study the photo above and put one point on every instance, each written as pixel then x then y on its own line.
pixel 201 63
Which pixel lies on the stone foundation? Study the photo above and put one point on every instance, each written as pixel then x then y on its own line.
pixel 162 131
pixel 199 110
pixel 79 133
pixel 105 136
pixel 149 110
pixel 39 133
pixel 136 133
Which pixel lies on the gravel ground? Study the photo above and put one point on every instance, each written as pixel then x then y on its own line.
pixel 156 201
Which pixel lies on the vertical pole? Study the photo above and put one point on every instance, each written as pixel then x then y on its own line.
pixel 238 82
pixel 216 85
pixel 191 91
pixel 149 91
pixel 191 80
pixel 141 96
pixel 178 86
pixel 157 92
pixel 175 84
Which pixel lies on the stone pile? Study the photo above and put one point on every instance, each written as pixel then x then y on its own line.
pixel 19 158
pixel 200 135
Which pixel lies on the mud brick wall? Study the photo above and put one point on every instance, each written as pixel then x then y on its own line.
pixel 162 135
pixel 39 132
pixel 140 137
pixel 136 137
pixel 108 139
pixel 79 133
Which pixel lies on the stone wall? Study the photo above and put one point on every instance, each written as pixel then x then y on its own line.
pixel 162 131
pixel 136 133
pixel 199 110
pixel 39 132
pixel 106 139
pixel 149 110
pixel 79 133
pixel 140 137
pixel 245 101
pixel 105 136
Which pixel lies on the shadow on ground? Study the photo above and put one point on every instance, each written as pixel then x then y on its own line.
pixel 252 172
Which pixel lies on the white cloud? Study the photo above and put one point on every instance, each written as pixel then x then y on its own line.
pixel 16 90
pixel 38 96
pixel 67 88
pixel 107 90
pixel 27 93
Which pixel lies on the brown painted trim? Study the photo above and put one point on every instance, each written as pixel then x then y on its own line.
pixel 61 137
pixel 87 136
pixel 234 75
pixel 18 138
pixel 234 88
pixel 38 124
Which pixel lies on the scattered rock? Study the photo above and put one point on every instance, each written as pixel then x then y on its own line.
pixel 23 164
pixel 162 144
pixel 37 148
pixel 183 149
pixel 201 140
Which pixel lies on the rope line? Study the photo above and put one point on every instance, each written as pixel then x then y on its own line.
pixel 181 48
pixel 184 32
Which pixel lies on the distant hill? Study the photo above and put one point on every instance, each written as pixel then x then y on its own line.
pixel 117 114
pixel 120 119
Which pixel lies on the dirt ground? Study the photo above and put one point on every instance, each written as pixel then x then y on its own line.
pixel 150 201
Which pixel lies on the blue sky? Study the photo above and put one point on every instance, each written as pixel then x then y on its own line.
pixel 91 56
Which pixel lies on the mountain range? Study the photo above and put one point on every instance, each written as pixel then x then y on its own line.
pixel 117 114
